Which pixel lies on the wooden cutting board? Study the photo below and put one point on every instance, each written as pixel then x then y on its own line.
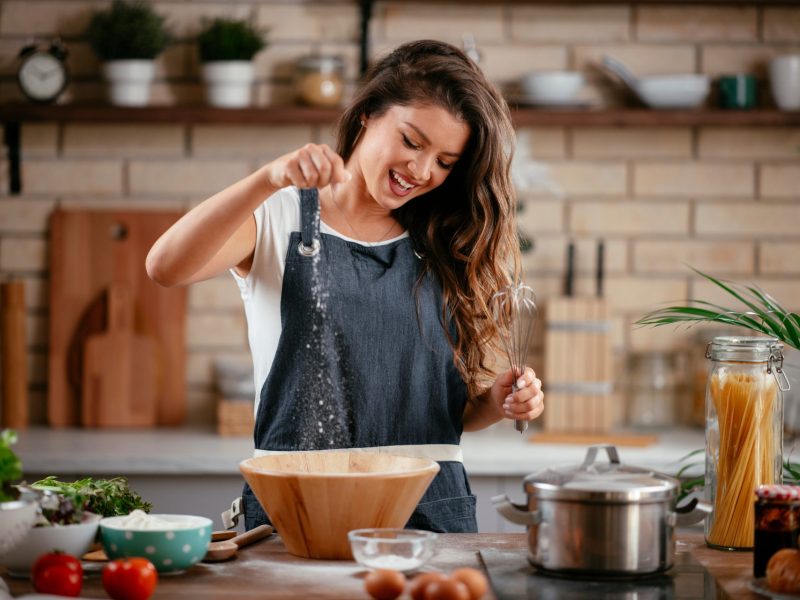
pixel 90 250
pixel 119 370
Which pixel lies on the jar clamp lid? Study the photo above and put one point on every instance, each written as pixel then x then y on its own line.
pixel 751 349
pixel 601 482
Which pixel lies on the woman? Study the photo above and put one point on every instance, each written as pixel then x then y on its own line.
pixel 367 275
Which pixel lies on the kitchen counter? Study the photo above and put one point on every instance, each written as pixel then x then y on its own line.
pixel 194 470
pixel 266 570
pixel 496 451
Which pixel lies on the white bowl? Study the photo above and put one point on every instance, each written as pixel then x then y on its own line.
pixel 73 539
pixel 398 549
pixel 16 519
pixel 552 87
pixel 673 91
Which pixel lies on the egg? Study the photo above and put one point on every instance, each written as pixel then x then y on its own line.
pixel 420 583
pixel 474 580
pixel 447 589
pixel 385 584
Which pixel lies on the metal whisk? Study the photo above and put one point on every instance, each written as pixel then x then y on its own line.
pixel 515 312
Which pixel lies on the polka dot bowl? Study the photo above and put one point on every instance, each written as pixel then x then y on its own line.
pixel 168 549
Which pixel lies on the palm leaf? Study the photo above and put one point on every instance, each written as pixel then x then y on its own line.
pixel 764 315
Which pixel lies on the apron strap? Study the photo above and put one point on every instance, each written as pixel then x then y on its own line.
pixel 309 222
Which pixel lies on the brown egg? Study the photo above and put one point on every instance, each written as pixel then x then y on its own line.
pixel 474 580
pixel 447 589
pixel 783 571
pixel 385 584
pixel 420 583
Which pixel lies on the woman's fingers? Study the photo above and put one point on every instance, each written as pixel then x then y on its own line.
pixel 527 403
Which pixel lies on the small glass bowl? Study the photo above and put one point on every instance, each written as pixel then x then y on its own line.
pixel 398 549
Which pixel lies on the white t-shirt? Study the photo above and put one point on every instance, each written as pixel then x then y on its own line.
pixel 276 218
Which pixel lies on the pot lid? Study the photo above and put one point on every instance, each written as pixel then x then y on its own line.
pixel 593 481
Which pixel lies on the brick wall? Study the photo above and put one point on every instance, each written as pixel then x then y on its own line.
pixel 722 199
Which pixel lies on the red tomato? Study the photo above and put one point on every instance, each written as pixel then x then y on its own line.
pixel 130 579
pixel 57 573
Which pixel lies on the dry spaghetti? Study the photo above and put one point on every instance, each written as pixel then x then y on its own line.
pixel 748 455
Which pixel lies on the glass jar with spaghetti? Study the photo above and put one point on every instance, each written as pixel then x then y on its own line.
pixel 744 433
pixel 777 523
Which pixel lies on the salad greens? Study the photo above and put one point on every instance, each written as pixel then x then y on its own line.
pixel 10 465
pixel 104 497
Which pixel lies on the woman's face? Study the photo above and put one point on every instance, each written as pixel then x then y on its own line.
pixel 408 151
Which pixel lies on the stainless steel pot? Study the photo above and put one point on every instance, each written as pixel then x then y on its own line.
pixel 601 518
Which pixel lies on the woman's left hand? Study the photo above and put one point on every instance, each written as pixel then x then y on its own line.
pixel 526 404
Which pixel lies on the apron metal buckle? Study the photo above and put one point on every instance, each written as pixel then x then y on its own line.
pixel 311 250
pixel 230 518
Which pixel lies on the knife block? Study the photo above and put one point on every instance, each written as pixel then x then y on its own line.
pixel 578 374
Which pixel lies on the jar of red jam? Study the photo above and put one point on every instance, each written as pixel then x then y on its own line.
pixel 777 519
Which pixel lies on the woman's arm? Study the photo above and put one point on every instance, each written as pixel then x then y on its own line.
pixel 497 402
pixel 220 233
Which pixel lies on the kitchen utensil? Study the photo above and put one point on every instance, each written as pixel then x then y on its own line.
pixel 168 549
pixel 737 91
pixel 636 440
pixel 512 579
pixel 90 250
pixel 744 433
pixel 119 370
pixel 14 355
pixel 73 539
pixel 315 498
pixel 225 549
pixel 784 79
pixel 601 518
pixel 16 520
pixel 515 313
pixel 221 536
pixel 663 91
pixel 398 549
pixel 552 87
pixel 578 369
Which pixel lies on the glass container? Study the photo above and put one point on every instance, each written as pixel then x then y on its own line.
pixel 777 523
pixel 744 433
pixel 319 80
pixel 652 385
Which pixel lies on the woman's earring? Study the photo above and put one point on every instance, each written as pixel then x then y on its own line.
pixel 363 123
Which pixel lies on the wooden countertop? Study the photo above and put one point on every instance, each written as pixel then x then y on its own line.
pixel 266 570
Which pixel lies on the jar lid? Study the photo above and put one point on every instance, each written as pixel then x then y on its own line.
pixel 744 348
pixel 779 492
pixel 321 62
pixel 601 482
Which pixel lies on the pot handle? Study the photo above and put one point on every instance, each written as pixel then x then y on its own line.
pixel 516 513
pixel 693 512
pixel 591 455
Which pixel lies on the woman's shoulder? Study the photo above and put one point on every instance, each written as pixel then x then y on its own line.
pixel 282 207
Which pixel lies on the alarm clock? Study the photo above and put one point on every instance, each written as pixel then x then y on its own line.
pixel 42 75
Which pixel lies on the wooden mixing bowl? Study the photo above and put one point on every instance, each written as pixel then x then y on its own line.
pixel 315 498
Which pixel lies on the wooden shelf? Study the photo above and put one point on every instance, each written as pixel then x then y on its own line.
pixel 13 115
pixel 296 115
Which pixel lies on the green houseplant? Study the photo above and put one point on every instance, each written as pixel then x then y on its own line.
pixel 127 37
pixel 226 48
pixel 764 313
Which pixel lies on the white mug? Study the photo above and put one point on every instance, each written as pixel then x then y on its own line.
pixel 784 77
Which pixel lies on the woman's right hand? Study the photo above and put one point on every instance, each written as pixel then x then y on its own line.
pixel 313 165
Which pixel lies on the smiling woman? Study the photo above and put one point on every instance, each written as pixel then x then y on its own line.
pixel 366 275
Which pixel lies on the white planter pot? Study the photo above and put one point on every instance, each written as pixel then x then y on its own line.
pixel 229 83
pixel 129 81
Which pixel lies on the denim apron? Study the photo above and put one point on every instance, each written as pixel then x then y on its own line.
pixel 363 362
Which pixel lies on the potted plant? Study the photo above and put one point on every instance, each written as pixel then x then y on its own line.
pixel 127 37
pixel 226 48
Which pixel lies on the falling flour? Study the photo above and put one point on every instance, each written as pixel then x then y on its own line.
pixel 322 410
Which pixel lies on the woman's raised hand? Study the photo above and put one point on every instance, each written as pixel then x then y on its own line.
pixel 527 403
pixel 313 165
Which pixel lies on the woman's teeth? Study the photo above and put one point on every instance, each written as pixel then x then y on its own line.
pixel 401 182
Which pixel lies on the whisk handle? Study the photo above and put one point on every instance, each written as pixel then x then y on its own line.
pixel 519 424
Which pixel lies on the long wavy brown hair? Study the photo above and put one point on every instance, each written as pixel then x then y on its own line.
pixel 465 228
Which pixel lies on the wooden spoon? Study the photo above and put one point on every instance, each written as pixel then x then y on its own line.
pixel 224 550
